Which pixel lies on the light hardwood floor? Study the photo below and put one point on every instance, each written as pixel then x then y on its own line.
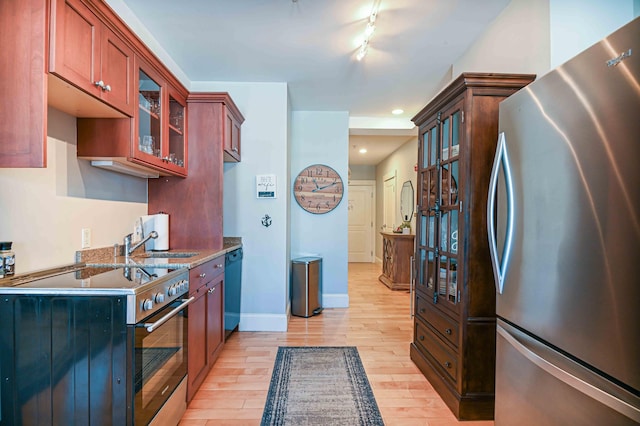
pixel 377 322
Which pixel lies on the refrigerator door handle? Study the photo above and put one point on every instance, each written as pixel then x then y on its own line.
pixel 501 159
pixel 564 376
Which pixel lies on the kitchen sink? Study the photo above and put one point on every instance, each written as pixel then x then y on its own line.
pixel 165 255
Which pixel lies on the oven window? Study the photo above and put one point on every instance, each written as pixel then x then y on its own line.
pixel 159 362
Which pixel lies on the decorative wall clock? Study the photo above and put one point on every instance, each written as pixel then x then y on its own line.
pixel 318 189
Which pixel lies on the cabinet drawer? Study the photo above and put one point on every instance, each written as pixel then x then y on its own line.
pixel 204 273
pixel 428 342
pixel 447 327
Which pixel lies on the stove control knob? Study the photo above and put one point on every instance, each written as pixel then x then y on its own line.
pixel 147 305
pixel 173 290
pixel 159 298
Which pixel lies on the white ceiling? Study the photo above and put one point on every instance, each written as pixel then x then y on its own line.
pixel 311 45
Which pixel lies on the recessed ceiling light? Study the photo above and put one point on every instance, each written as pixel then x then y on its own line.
pixel 363 150
pixel 397 111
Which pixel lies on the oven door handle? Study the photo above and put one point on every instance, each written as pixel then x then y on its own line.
pixel 153 325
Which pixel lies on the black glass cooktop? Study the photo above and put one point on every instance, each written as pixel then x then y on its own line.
pixel 126 279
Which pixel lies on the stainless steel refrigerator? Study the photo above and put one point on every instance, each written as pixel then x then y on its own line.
pixel 564 230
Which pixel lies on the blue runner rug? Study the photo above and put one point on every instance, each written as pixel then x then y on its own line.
pixel 320 386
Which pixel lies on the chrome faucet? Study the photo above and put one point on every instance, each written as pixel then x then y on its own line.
pixel 128 248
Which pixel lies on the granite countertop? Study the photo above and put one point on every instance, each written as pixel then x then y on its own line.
pixel 184 258
pixel 94 266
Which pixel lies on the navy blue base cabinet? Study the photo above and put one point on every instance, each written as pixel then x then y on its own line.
pixel 63 360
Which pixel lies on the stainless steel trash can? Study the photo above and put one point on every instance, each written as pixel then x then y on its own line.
pixel 306 286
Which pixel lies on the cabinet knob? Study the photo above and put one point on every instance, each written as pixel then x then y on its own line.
pixel 235 149
pixel 99 84
pixel 447 364
pixel 218 266
pixel 421 337
pixel 422 310
pixel 202 275
pixel 448 331
pixel 211 290
pixel 107 88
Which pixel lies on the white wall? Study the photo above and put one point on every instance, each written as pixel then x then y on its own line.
pixel 44 210
pixel 264 147
pixel 516 42
pixel 537 36
pixel 578 24
pixel 322 138
pixel 401 161
pixel 362 172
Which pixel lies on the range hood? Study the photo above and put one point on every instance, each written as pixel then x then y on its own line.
pixel 121 165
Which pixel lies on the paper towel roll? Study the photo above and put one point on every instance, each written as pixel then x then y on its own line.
pixel 159 223
pixel 161 226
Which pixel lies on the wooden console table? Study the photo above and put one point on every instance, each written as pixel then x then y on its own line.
pixel 397 250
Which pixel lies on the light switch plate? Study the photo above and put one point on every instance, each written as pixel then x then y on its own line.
pixel 86 238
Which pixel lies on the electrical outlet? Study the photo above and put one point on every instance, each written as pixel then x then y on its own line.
pixel 86 238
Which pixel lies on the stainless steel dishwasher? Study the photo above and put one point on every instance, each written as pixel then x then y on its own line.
pixel 232 290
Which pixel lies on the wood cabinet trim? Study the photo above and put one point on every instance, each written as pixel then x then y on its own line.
pixel 503 84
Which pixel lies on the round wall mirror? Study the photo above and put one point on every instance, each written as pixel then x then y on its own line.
pixel 407 201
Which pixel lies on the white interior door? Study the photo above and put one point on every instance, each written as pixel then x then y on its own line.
pixel 361 229
pixel 389 203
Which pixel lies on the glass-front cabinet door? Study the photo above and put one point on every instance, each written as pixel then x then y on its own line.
pixel 440 208
pixel 160 123
pixel 176 154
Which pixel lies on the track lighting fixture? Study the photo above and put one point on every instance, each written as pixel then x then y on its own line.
pixel 368 32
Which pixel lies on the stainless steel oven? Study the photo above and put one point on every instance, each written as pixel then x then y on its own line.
pixel 159 363
pixel 158 353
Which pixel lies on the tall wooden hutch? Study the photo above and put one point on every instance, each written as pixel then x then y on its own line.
pixel 454 298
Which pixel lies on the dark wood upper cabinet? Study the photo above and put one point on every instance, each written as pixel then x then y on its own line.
pixel 23 83
pixel 233 121
pixel 454 298
pixel 87 54
pixel 79 57
pixel 195 203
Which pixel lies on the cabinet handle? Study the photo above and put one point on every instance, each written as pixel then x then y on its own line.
pixel 447 364
pixel 448 331
pixel 202 275
pixel 411 286
pixel 211 290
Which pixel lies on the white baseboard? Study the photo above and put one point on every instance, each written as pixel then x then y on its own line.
pixel 263 322
pixel 335 300
pixel 279 322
